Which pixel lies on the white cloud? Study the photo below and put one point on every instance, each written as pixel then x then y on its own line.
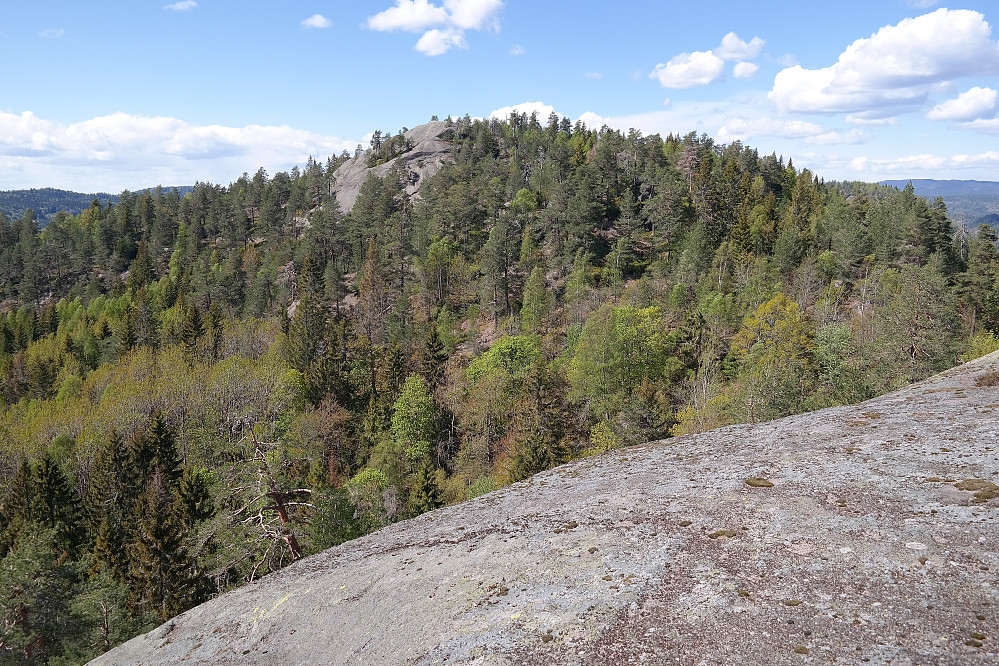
pixel 183 6
pixel 474 14
pixel 317 21
pixel 741 129
pixel 595 122
pixel 517 50
pixel 120 150
pixel 700 68
pixel 977 103
pixel 689 69
pixel 745 70
pixel 733 48
pixel 924 164
pixel 409 15
pixel 52 33
pixel 894 70
pixel 443 26
pixel 989 158
pixel 987 125
pixel 438 42
pixel 593 75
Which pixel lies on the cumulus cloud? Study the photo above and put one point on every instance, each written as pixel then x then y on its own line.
pixel 894 69
pixel 689 69
pixel 443 26
pixel 474 14
pixel 733 48
pixel 409 15
pixel 594 121
pixel 183 6
pixel 317 21
pixel 517 50
pixel 438 42
pixel 121 150
pixel 52 33
pixel 745 70
pixel 977 103
pixel 988 125
pixel 700 68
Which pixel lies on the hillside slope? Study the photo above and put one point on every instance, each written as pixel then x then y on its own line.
pixel 968 201
pixel 869 545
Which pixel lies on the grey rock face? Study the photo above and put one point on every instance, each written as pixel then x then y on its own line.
pixel 859 540
pixel 424 159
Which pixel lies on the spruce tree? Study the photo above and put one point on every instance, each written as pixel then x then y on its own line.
pixel 161 578
pixel 426 493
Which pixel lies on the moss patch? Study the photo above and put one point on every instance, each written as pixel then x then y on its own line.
pixel 722 534
pixel 984 490
pixel 988 379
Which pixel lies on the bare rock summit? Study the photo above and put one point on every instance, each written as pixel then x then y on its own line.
pixel 861 534
pixel 430 151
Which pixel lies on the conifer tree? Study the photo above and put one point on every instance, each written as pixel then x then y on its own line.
pixel 57 505
pixel 161 578
pixel 426 493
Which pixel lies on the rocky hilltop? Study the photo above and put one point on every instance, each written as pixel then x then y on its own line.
pixel 849 535
pixel 429 152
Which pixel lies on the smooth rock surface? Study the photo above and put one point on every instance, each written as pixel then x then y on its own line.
pixel 424 159
pixel 863 550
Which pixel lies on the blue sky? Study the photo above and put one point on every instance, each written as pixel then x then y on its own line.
pixel 114 94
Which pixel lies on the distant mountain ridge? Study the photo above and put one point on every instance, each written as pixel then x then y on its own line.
pixel 968 201
pixel 48 201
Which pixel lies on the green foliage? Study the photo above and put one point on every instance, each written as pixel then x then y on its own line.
pixel 618 347
pixel 36 589
pixel 414 427
pixel 509 356
pixel 981 345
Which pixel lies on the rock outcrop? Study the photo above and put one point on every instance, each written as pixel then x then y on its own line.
pixel 849 535
pixel 429 152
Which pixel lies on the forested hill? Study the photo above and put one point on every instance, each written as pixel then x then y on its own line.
pixel 47 202
pixel 969 202
pixel 200 389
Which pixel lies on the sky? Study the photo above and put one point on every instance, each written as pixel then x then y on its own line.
pixel 109 95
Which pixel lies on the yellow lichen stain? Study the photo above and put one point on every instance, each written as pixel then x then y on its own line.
pixel 282 600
